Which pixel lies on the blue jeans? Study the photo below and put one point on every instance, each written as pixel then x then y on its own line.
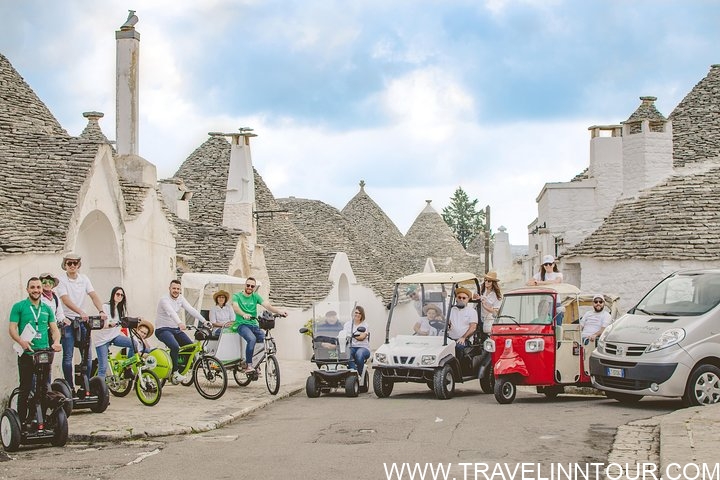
pixel 358 356
pixel 67 340
pixel 252 334
pixel 174 338
pixel 102 352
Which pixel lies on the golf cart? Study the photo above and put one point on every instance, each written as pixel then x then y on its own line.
pixel 536 340
pixel 418 349
pixel 331 355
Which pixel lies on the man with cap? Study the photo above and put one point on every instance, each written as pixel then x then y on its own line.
pixel 73 289
pixel 50 298
pixel 463 319
pixel 594 321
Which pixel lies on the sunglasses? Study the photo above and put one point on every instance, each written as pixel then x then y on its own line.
pixel 600 302
pixel 120 294
pixel 547 264
pixel 247 285
pixel 72 263
pixel 47 281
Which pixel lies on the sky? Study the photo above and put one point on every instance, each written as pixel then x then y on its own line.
pixel 415 97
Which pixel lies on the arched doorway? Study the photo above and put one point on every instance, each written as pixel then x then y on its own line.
pixel 100 251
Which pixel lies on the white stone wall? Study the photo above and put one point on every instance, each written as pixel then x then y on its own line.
pixel 606 167
pixel 647 159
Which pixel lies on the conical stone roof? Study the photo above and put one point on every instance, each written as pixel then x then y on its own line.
pixel 696 121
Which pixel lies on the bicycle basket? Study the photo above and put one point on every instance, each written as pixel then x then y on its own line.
pixel 266 321
pixel 202 333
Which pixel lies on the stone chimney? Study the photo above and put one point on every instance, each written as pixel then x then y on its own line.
pixel 129 164
pixel 240 192
pixel 177 196
pixel 606 162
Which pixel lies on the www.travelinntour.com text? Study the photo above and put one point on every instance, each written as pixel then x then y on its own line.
pixel 552 471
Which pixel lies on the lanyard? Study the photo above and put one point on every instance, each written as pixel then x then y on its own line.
pixel 36 316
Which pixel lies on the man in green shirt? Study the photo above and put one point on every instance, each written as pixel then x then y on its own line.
pixel 245 306
pixel 35 316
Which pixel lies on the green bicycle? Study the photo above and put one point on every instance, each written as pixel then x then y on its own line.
pixel 208 373
pixel 133 371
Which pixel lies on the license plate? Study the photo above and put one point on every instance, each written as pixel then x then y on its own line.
pixel 616 372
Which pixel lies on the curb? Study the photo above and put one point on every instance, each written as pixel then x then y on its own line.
pixel 200 427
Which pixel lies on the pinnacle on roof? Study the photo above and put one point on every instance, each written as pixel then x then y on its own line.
pixel 92 131
pixel 646 111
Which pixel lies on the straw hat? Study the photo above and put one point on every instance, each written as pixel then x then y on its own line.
pixel 464 290
pixel 221 293
pixel 70 256
pixel 432 306
pixel 492 276
pixel 148 325
pixel 50 276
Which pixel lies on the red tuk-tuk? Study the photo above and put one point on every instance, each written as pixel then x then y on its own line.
pixel 535 340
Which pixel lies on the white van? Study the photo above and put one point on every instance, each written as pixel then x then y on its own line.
pixel 668 345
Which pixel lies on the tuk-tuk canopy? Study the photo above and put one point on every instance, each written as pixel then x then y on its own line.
pixel 198 288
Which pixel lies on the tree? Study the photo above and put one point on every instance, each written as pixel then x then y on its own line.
pixel 463 217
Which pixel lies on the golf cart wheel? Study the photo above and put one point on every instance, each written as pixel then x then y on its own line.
pixel 366 383
pixel 487 382
pixel 241 378
pixel 352 386
pixel 61 387
pixel 505 390
pixel 99 388
pixel 60 428
pixel 272 374
pixel 703 387
pixel 10 430
pixel 430 385
pixel 312 387
pixel 147 388
pixel 381 386
pixel 444 383
pixel 13 399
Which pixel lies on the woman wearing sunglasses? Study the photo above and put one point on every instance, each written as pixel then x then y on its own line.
pixel 548 273
pixel 115 309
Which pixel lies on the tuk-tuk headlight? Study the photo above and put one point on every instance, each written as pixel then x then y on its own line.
pixel 489 345
pixel 428 359
pixel 381 358
pixel 534 345
pixel 667 339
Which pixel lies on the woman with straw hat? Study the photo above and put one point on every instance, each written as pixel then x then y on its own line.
pixel 490 300
pixel 221 314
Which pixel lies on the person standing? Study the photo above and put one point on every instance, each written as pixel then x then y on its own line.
pixel 34 314
pixel 169 328
pixel 548 273
pixel 115 309
pixel 50 298
pixel 490 300
pixel 360 343
pixel 73 289
pixel 244 305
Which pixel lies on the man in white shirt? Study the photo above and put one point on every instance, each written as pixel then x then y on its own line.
pixel 594 321
pixel 169 327
pixel 463 318
pixel 73 289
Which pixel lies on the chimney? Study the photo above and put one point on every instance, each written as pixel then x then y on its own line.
pixel 240 191
pixel 127 86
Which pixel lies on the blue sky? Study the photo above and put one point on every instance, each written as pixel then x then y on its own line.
pixel 414 97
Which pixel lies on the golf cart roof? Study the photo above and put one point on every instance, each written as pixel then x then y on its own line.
pixel 437 277
pixel 198 281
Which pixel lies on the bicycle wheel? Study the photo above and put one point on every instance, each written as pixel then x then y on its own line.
pixel 272 374
pixel 210 377
pixel 120 385
pixel 241 378
pixel 147 388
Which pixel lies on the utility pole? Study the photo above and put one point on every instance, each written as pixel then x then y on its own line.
pixel 487 238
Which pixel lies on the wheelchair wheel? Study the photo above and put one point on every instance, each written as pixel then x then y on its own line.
pixel 10 430
pixel 210 377
pixel 147 388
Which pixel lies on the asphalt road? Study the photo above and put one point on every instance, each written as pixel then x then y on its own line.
pixel 364 438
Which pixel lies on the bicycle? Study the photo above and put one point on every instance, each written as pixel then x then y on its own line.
pixel 208 373
pixel 133 371
pixel 265 353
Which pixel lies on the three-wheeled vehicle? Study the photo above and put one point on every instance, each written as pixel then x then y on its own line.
pixel 331 354
pixel 419 350
pixel 536 341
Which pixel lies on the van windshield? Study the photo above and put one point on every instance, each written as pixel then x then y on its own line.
pixel 682 294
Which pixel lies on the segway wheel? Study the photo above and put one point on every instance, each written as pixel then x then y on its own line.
pixel 241 378
pixel 10 430
pixel 99 388
pixel 60 429
pixel 61 387
pixel 147 388
pixel 12 401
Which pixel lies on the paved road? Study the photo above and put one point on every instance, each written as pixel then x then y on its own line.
pixel 333 437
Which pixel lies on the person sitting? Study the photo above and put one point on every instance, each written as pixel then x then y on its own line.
pixel 463 320
pixel 221 314
pixel 432 323
pixel 145 330
pixel 326 331
pixel 594 322
pixel 543 310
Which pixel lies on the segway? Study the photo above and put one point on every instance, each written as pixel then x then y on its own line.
pixel 47 421
pixel 92 392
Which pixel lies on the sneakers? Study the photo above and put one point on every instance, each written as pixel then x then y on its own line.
pixel 177 378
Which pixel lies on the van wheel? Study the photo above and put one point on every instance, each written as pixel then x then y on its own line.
pixel 703 386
